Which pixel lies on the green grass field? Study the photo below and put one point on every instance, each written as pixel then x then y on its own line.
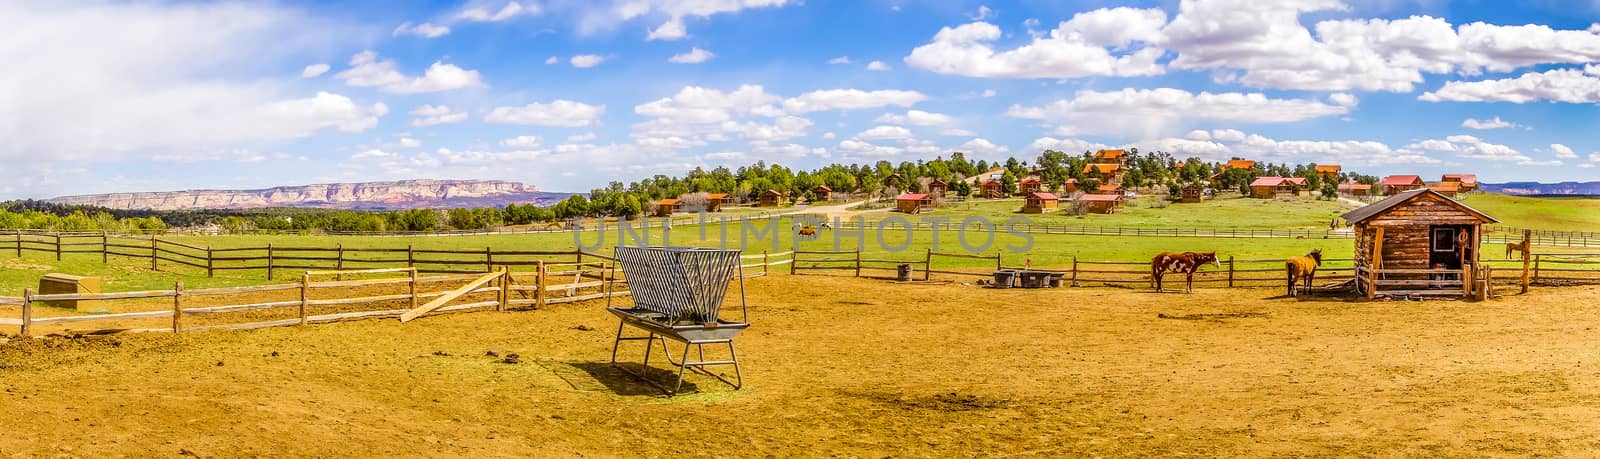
pixel 1543 213
pixel 1228 210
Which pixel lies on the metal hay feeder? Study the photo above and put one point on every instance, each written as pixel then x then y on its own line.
pixel 678 294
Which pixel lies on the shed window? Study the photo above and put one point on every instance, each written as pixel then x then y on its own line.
pixel 1444 240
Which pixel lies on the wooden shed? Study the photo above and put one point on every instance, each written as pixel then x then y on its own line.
pixel 1355 190
pixel 714 201
pixel 770 199
pixel 993 189
pixel 913 203
pixel 822 192
pixel 1292 185
pixel 1395 184
pixel 1190 193
pixel 1469 182
pixel 938 188
pixel 1040 202
pixel 1417 242
pixel 1266 187
pixel 1102 203
pixel 1029 185
pixel 665 207
pixel 1070 186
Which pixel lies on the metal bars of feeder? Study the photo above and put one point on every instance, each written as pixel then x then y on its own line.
pixel 684 285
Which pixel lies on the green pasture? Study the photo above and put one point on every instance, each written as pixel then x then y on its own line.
pixel 1228 210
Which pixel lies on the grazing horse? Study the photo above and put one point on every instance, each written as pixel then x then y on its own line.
pixel 1303 268
pixel 1516 247
pixel 808 231
pixel 1186 263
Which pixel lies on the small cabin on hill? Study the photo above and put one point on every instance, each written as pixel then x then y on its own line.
pixel 1104 172
pixel 1468 182
pixel 1417 241
pixel 1070 186
pixel 770 198
pixel 1038 203
pixel 1029 185
pixel 1239 164
pixel 1355 190
pixel 1330 171
pixel 1118 157
pixel 937 188
pixel 665 207
pixel 1395 184
pixel 1450 189
pixel 1267 187
pixel 714 201
pixel 822 192
pixel 1190 193
pixel 1102 203
pixel 993 189
pixel 913 203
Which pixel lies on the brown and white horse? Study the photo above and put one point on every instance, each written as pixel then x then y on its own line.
pixel 1186 263
pixel 1303 268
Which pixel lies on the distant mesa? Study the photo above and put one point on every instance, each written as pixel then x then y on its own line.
pixel 404 194
pixel 1545 189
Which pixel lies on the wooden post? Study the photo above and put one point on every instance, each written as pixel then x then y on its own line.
pixel 927 265
pixel 177 307
pixel 1074 271
pixel 58 246
pixel 794 259
pixel 505 287
pixel 1536 260
pixel 1466 281
pixel 1230 271
pixel 1527 246
pixel 19 243
pixel 411 257
pixel 269 261
pixel 413 288
pixel 339 261
pixel 765 260
pixel 305 287
pixel 858 262
pixel 27 312
pixel 538 284
pixel 153 252
pixel 488 259
pixel 998 264
pixel 1377 263
pixel 105 255
pixel 210 268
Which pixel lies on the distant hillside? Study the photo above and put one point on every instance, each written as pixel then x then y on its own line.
pixel 404 194
pixel 1544 189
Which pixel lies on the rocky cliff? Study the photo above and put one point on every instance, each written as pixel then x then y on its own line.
pixel 405 194
pixel 1545 189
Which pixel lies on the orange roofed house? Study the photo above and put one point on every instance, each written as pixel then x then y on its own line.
pixel 1118 157
pixel 771 198
pixel 1103 172
pixel 1329 170
pixel 1469 182
pixel 1398 183
pixel 665 207
pixel 1450 189
pixel 822 192
pixel 714 201
pixel 1355 190
pixel 937 188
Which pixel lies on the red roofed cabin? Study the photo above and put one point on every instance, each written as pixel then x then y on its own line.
pixel 1469 182
pixel 993 189
pixel 1102 203
pixel 1038 203
pixel 913 203
pixel 1397 183
pixel 1400 239
pixel 1451 189
pixel 665 207
pixel 1293 185
pixel 822 192
pixel 770 198
pixel 937 188
pixel 1029 185
pixel 1269 187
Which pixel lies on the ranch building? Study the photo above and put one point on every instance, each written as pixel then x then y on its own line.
pixel 714 201
pixel 822 192
pixel 1267 187
pixel 1190 193
pixel 1395 184
pixel 1038 203
pixel 665 207
pixel 1029 185
pixel 1103 172
pixel 937 188
pixel 770 198
pixel 1293 185
pixel 1111 189
pixel 1118 157
pixel 1355 190
pixel 1469 182
pixel 1239 164
pixel 913 203
pixel 1450 189
pixel 1417 242
pixel 1102 203
pixel 993 189
pixel 1070 186
pixel 1331 171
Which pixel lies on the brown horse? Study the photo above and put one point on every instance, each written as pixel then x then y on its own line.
pixel 1186 263
pixel 1512 247
pixel 1303 268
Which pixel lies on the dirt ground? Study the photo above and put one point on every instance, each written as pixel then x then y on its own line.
pixel 851 367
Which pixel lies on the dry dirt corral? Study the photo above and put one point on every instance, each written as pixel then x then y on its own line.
pixel 852 367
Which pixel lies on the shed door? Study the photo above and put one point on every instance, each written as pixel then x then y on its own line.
pixel 1446 248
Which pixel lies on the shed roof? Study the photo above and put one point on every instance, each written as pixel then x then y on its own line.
pixel 1240 164
pixel 1334 168
pixel 1109 154
pixel 1354 186
pixel 1466 179
pixel 1030 180
pixel 1446 187
pixel 1377 208
pixel 1267 181
pixel 1296 180
pixel 1109 187
pixel 668 202
pixel 1046 196
pixel 822 188
pixel 717 196
pixel 991 182
pixel 911 197
pixel 1102 197
pixel 1401 180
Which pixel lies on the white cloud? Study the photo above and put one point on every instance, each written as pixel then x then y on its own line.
pixel 877 66
pixel 1112 41
pixel 915 118
pixel 581 138
pixel 953 132
pixel 983 13
pixel 694 56
pixel 669 31
pixel 1468 147
pixel 508 11
pixel 885 133
pixel 433 115
pixel 1072 146
pixel 1151 112
pixel 424 30
pixel 1343 99
pixel 851 99
pixel 559 113
pixel 840 60
pixel 1493 123
pixel 1563 151
pixel 829 136
pixel 1228 135
pixel 854 147
pixel 314 70
pixel 982 146
pixel 1198 135
pixel 552 60
pixel 584 61
pixel 1559 85
pixel 523 141
pixel 407 142
pixel 367 71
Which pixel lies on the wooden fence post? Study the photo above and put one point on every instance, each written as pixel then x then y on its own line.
pixel 488 259
pixel 1230 271
pixel 210 267
pixel 305 287
pixel 927 265
pixel 413 288
pixel 505 287
pixel 19 243
pixel 765 260
pixel 105 255
pixel 411 257
pixel 153 253
pixel 339 261
pixel 177 307
pixel 1527 246
pixel 269 261
pixel 538 284
pixel 858 262
pixel 1074 271
pixel 58 246
pixel 794 259
pixel 1536 260
pixel 27 312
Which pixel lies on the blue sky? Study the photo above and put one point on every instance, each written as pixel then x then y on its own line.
pixel 568 95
